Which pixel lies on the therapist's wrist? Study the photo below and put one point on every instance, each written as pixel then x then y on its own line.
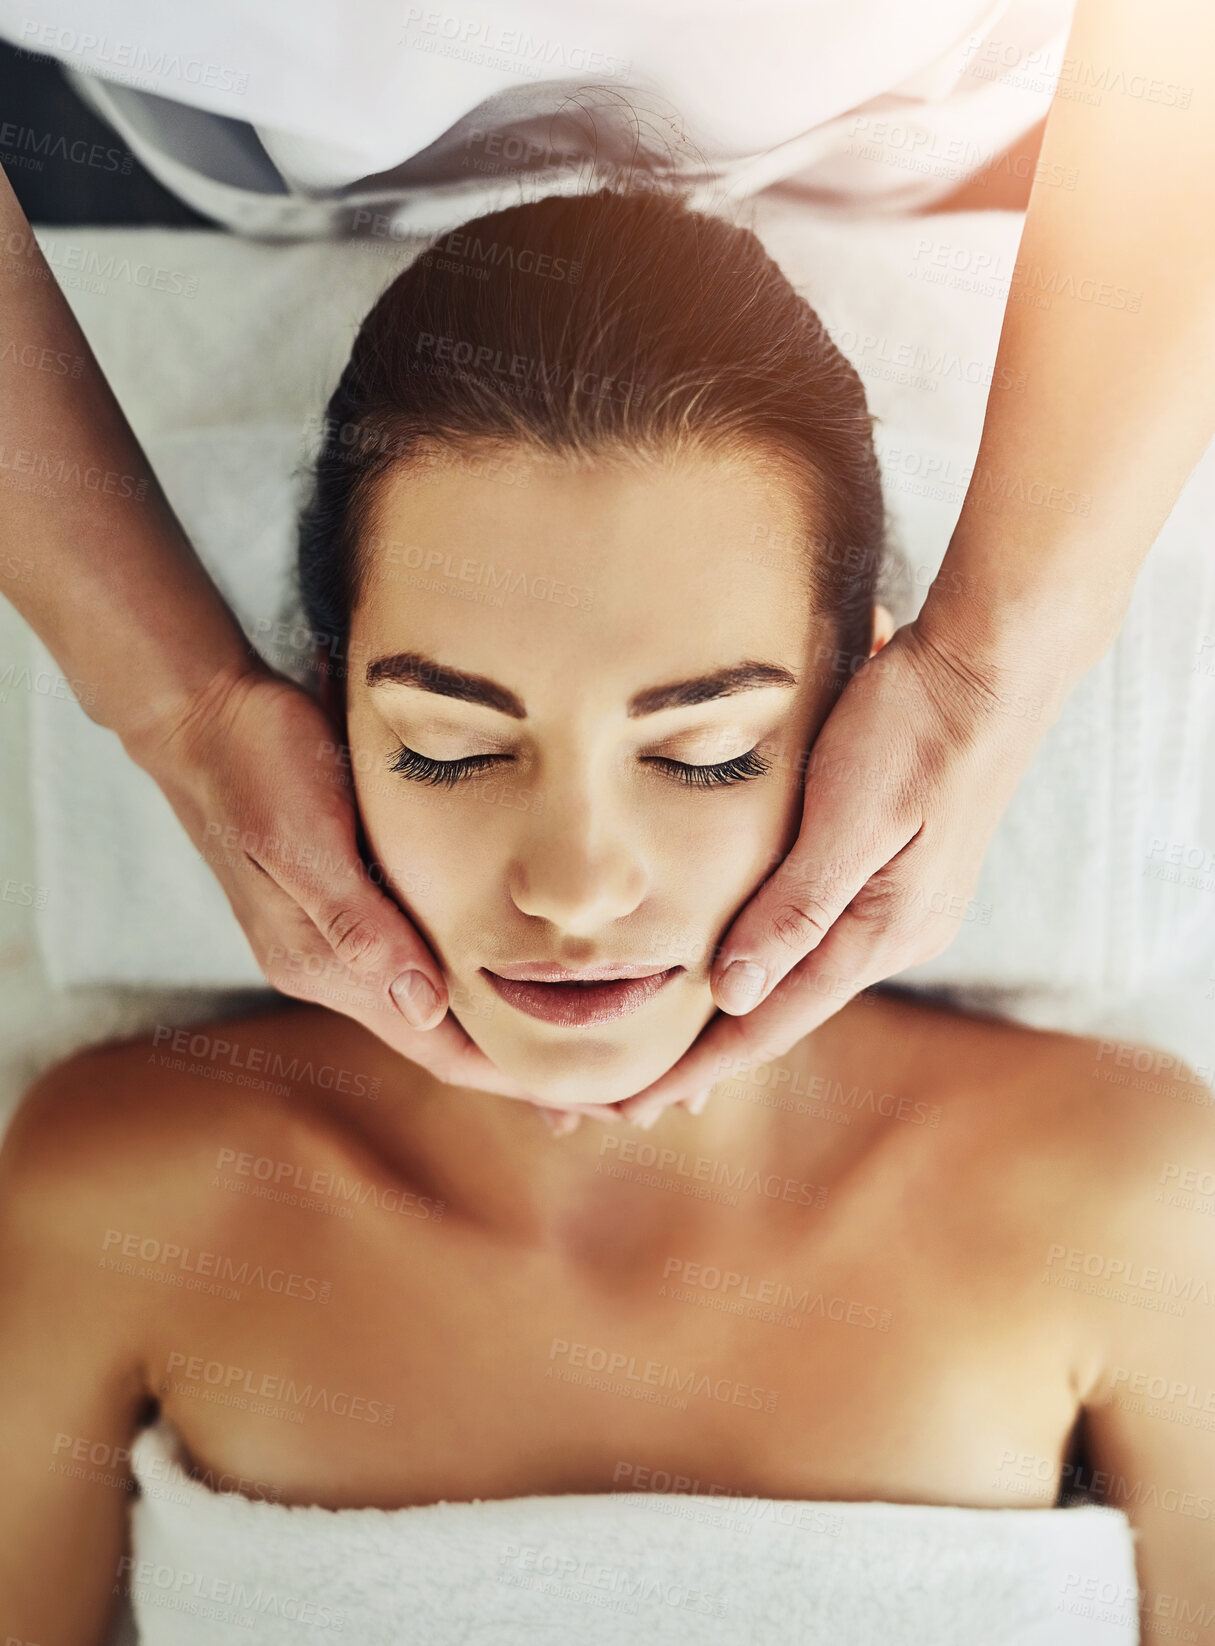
pixel 1054 629
pixel 158 731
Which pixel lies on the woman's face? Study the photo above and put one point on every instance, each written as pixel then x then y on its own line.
pixel 577 723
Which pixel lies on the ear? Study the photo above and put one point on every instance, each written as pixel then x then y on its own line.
pixel 883 629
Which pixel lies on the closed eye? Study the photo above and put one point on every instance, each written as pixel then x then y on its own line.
pixel 420 768
pixel 741 769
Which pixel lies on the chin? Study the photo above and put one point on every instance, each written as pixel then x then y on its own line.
pixel 566 1067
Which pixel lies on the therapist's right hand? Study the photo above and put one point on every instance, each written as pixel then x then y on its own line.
pixel 252 766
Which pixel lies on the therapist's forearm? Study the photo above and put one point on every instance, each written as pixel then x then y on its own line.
pixel 1107 349
pixel 100 568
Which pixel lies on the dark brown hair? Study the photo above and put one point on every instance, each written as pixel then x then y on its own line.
pixel 620 321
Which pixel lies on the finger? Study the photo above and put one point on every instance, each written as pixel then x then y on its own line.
pixel 843 843
pixel 706 1061
pixel 448 1054
pixel 561 1122
pixel 869 942
pixel 307 969
pixel 369 935
pixel 607 1112
pixel 447 1051
pixel 849 961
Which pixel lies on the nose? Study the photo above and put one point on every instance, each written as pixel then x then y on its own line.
pixel 577 868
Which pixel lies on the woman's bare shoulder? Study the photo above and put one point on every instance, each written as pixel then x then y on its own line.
pixel 123 1127
pixel 1072 1127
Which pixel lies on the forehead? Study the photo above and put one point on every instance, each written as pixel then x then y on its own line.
pixel 552 567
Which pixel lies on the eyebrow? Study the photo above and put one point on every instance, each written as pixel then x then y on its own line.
pixel 425 674
pixel 413 669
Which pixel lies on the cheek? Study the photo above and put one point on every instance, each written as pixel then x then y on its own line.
pixel 726 845
pixel 438 853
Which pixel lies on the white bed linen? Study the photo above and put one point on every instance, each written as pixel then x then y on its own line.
pixel 1095 908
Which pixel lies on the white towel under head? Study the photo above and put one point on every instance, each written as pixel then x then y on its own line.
pixel 1094 909
pixel 608 1569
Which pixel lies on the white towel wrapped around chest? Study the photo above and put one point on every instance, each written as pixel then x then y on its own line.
pixel 613 1568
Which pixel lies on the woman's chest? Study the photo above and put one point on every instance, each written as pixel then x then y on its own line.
pixel 452 1366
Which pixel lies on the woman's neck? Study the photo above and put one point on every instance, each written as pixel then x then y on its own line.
pixel 494 1162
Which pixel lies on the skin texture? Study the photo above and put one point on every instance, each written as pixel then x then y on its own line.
pixel 959 1377
pixel 1108 336
pixel 916 1179
pixel 1112 410
pixel 573 847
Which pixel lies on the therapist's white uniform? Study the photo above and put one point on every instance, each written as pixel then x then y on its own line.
pixel 305 118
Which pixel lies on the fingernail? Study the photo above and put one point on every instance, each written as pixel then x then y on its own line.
pixel 645 1118
pixel 741 986
pixel 695 1105
pixel 416 999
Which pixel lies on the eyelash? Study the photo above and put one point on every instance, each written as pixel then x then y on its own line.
pixel 419 768
pixel 741 769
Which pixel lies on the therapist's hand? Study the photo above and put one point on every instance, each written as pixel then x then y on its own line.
pixel 905 785
pixel 253 768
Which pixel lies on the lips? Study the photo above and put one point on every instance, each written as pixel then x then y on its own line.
pixel 577 999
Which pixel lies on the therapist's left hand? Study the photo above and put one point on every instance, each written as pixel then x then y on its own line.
pixel 907 781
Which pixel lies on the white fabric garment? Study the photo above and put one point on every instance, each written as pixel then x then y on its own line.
pixel 1094 909
pixel 314 120
pixel 608 1569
